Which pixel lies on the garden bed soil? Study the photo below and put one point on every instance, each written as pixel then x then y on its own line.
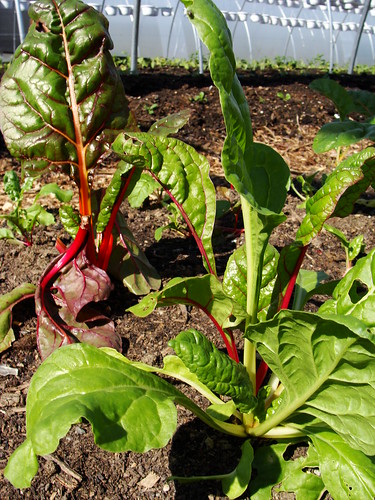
pixel 78 469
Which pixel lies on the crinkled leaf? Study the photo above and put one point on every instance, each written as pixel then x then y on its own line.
pixel 327 366
pixel 70 219
pixel 129 264
pixel 12 185
pixel 64 313
pixel 61 99
pixel 64 195
pixel 204 292
pixel 214 368
pixel 7 302
pixel 337 134
pixel 355 293
pixel 171 124
pixel 346 473
pixel 145 186
pixel 184 174
pixel 340 97
pixel 338 194
pixel 273 469
pixel 235 278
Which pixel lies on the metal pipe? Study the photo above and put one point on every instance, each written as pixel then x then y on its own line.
pixel 366 8
pixel 135 37
pixel 21 29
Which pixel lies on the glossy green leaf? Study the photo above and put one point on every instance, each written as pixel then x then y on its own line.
pixel 145 186
pixel 274 471
pixel 129 264
pixel 337 134
pixel 355 294
pixel 338 194
pixel 235 483
pixel 204 292
pixel 306 283
pixel 327 366
pixel 7 302
pixel 62 99
pixel 183 174
pixel 340 97
pixel 214 368
pixel 235 278
pixel 346 473
pixel 171 124
pixel 70 219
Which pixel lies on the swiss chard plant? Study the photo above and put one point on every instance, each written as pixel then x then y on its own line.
pixel 314 382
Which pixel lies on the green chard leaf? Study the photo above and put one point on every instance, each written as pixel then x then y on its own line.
pixel 7 302
pixel 327 367
pixel 64 195
pixel 336 134
pixel 340 97
pixel 183 174
pixel 338 194
pixel 145 186
pixel 171 124
pixel 12 185
pixel 274 471
pixel 355 294
pixel 215 369
pixel 346 473
pixel 61 99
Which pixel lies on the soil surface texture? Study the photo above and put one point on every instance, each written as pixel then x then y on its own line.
pixel 286 115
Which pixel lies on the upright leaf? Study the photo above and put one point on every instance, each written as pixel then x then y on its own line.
pixel 61 99
pixel 340 97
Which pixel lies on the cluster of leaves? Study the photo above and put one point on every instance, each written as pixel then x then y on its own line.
pixel 321 366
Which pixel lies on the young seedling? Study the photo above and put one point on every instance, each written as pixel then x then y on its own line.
pixel 21 221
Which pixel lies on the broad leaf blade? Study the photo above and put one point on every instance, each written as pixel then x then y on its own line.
pixel 327 367
pixel 235 483
pixel 337 134
pixel 145 186
pixel 340 97
pixel 346 473
pixel 338 194
pixel 61 99
pixel 171 124
pixel 64 195
pixel 183 174
pixel 214 368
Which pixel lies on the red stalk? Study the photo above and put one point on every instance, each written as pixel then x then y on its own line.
pixel 263 367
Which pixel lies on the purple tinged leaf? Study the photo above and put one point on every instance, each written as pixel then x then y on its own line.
pixel 67 316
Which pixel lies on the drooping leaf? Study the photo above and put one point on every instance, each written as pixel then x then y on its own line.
pixel 7 302
pixel 129 409
pixel 338 194
pixel 65 314
pixel 337 134
pixel 129 264
pixel 327 367
pixel 235 278
pixel 307 282
pixel 183 174
pixel 61 99
pixel 340 97
pixel 204 292
pixel 346 473
pixel 355 294
pixel 214 368
pixel 171 124
pixel 272 469
pixel 364 101
pixel 235 483
pixel 64 195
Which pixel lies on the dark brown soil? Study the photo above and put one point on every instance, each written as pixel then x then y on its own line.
pixel 79 470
